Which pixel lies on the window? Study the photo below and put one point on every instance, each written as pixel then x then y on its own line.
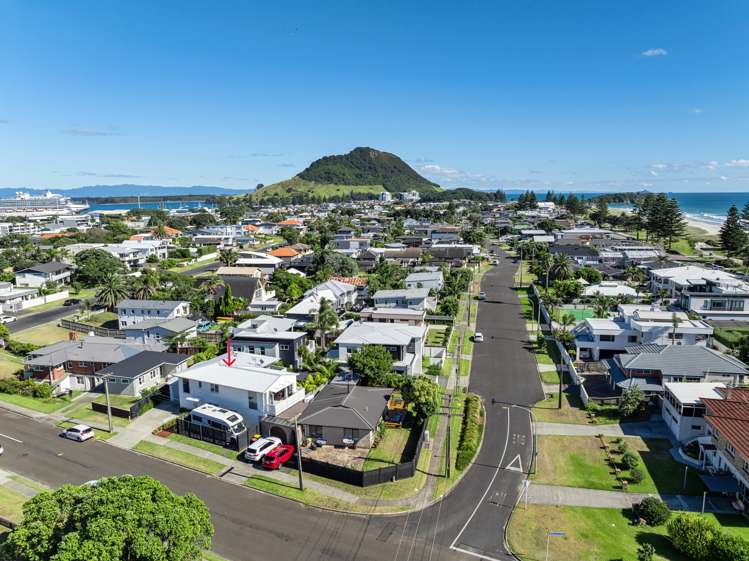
pixel 140 379
pixel 79 379
pixel 214 388
pixel 632 338
pixel 283 347
pixel 730 450
pixel 314 431
pixel 606 338
pixel 185 385
pixel 696 427
pixel 124 381
pixel 83 363
pixel 252 400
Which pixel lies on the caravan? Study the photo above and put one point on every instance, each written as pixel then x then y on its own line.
pixel 208 415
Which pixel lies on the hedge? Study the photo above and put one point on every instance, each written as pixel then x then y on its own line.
pixel 703 540
pixel 470 435
pixel 15 386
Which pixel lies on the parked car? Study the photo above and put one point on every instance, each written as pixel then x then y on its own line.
pixel 71 302
pixel 2 450
pixel 80 433
pixel 260 448
pixel 278 456
pixel 482 295
pixel 7 319
pixel 478 337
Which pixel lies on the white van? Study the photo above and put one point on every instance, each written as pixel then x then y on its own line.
pixel 216 417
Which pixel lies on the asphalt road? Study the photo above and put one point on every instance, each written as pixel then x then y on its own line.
pixel 467 524
pixel 29 320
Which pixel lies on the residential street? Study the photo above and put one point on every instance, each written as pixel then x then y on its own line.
pixel 471 519
pixel 32 319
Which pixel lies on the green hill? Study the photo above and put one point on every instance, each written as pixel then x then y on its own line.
pixel 362 173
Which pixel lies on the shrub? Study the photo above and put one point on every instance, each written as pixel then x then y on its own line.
pixel 653 510
pixel 645 552
pixel 630 460
pixel 470 435
pixel 636 476
pixel 726 547
pixel 19 348
pixel 693 535
pixel 623 448
pixel 540 342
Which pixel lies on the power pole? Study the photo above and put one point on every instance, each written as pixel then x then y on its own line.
pixel 109 405
pixel 449 418
pixel 298 454
pixel 521 266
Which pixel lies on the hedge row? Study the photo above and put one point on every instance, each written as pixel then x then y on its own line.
pixel 703 540
pixel 470 435
pixel 25 387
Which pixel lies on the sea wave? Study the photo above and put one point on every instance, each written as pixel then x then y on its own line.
pixel 706 217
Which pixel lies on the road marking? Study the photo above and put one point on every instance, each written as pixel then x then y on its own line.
pixel 488 487
pixel 11 438
pixel 479 555
pixel 513 467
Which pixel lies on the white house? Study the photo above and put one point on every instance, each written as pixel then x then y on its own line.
pixel 130 312
pixel 252 391
pixel 597 338
pixel 609 288
pixel 41 273
pixel 266 263
pixel 404 342
pixel 339 294
pixel 682 408
pixel 431 280
pixel 414 298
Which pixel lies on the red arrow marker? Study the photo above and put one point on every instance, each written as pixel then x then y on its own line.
pixel 228 361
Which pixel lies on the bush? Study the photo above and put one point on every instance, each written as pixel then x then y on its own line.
pixel 630 460
pixel 540 342
pixel 645 552
pixel 30 388
pixel 726 547
pixel 19 348
pixel 653 510
pixel 636 476
pixel 470 435
pixel 693 535
pixel 623 448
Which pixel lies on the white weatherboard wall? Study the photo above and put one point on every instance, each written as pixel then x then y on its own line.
pixel 39 300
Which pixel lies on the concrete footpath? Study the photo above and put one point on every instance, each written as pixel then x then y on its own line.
pixel 574 496
pixel 643 430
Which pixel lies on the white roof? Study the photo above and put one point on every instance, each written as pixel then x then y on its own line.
pixel 682 275
pixel 377 333
pixel 544 239
pixel 244 374
pixel 604 324
pixel 610 289
pixel 691 392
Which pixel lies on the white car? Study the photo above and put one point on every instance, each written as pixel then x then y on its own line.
pixel 482 295
pixel 478 337
pixel 260 448
pixel 80 433
pixel 7 319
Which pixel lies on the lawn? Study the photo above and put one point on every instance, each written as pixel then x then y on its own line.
pixel 193 266
pixel 49 405
pixel 9 364
pixel 465 367
pixel 119 401
pixel 453 343
pixel 579 313
pixel 207 446
pixel 42 335
pixel 100 434
pixel 85 414
pixel 572 411
pixel 389 449
pixel 179 457
pixel 102 319
pixel 580 461
pixel 11 503
pixel 527 276
pixel 436 336
pixel 447 366
pixel 730 337
pixel 467 343
pixel 444 483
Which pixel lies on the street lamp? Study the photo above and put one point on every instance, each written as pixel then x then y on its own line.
pixel 109 404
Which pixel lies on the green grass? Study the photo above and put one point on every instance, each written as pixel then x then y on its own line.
pixel 444 483
pixel 49 405
pixel 120 401
pixel 453 343
pixel 447 366
pixel 465 367
pixel 580 461
pixel 11 504
pixel 436 337
pixel 682 246
pixel 572 411
pixel 207 446
pixel 9 364
pixel 85 414
pixel 468 343
pixel 100 434
pixel 179 457
pixel 102 319
pixel 44 334
pixel 730 337
pixel 580 314
pixel 193 266
pixel 210 556
pixel 389 449
pixel 296 186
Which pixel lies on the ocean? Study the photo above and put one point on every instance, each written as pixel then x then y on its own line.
pixel 149 204
pixel 706 207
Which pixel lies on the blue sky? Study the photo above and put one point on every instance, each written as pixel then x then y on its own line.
pixel 583 95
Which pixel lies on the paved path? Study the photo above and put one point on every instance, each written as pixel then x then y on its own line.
pixel 143 426
pixel 643 430
pixel 574 496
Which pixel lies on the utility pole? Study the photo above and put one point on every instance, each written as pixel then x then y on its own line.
pixel 561 375
pixel 521 265
pixel 298 454
pixel 109 405
pixel 449 418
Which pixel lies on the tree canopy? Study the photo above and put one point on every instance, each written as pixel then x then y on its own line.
pixel 116 518
pixel 374 363
pixel 94 265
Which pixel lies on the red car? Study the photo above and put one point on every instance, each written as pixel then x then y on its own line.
pixel 278 456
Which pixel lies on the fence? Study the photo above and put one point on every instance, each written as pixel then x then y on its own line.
pixel 135 410
pixel 402 470
pixel 213 435
pixel 87 328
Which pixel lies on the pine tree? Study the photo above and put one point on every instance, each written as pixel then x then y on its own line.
pixel 601 214
pixel 672 224
pixel 643 212
pixel 549 196
pixel 656 215
pixel 732 235
pixel 745 212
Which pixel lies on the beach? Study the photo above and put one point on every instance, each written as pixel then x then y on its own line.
pixel 710 226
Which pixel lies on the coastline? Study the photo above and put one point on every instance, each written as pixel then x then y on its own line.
pixel 710 228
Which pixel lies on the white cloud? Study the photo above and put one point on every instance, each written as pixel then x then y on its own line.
pixel 89 132
pixel 696 110
pixel 653 173
pixel 111 175
pixel 712 165
pixel 654 52
pixel 741 163
pixel 723 178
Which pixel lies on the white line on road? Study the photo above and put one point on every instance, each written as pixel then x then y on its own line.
pixel 488 487
pixel 11 438
pixel 513 467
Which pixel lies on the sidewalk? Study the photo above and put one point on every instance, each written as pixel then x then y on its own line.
pixel 574 496
pixel 143 426
pixel 643 430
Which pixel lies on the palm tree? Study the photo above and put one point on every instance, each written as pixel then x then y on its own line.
pixel 562 267
pixel 227 256
pixel 545 262
pixel 111 291
pixel 212 284
pixel 327 319
pixel 176 341
pixel 602 305
pixel 147 285
pixel 160 232
pixel 675 321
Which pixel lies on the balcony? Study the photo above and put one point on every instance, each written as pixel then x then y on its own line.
pixel 279 406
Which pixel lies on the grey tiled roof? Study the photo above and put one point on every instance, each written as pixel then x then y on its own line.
pixel 688 360
pixel 339 405
pixel 136 365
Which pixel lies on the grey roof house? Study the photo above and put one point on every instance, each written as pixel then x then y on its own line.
pixel 130 312
pixel 414 298
pixel 41 273
pixel 341 414
pixel 156 330
pixel 270 336
pixel 142 371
